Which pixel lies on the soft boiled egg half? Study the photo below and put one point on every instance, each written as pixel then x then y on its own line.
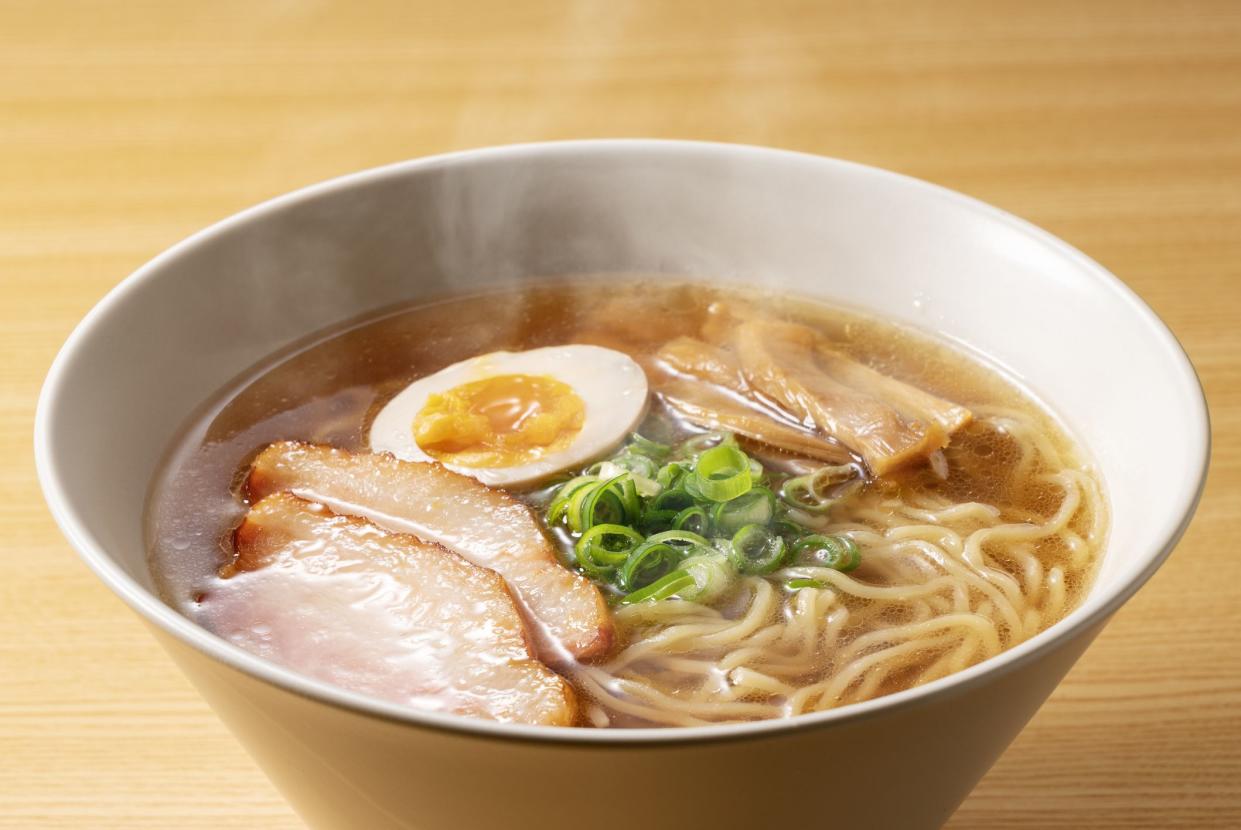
pixel 511 418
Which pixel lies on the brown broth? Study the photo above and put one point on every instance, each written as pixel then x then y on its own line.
pixel 326 390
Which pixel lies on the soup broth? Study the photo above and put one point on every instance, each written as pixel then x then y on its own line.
pixel 964 553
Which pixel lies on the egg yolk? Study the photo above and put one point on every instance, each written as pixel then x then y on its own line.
pixel 500 421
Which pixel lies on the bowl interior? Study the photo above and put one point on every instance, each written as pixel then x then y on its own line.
pixel 211 307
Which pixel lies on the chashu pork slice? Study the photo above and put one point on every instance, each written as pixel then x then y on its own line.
pixel 385 614
pixel 568 616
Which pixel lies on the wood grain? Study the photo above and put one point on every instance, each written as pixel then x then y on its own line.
pixel 124 127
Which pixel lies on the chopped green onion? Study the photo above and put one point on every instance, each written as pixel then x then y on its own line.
pixel 757 506
pixel 634 463
pixel 645 485
pixel 811 492
pixel 673 499
pixel 663 588
pixel 573 513
pixel 560 504
pixel 713 573
pixel 694 519
pixel 646 563
pixel 722 473
pixel 578 494
pixel 786 528
pixel 601 504
pixel 614 501
pixel 645 446
pixel 689 484
pixel 630 499
pixel 797 492
pixel 670 475
pixel 602 548
pixel 837 552
pixel 680 538
pixel 834 474
pixel 755 550
pixel 655 528
pixel 653 521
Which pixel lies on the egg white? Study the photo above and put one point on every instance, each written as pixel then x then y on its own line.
pixel 612 387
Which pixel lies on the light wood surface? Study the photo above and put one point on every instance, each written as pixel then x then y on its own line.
pixel 125 127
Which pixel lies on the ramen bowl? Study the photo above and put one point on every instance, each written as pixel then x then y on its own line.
pixel 198 315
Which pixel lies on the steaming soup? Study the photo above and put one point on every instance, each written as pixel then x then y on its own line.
pixel 671 505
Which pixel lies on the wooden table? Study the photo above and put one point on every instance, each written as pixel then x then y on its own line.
pixel 124 127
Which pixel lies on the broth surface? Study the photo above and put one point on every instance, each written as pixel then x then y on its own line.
pixel 767 651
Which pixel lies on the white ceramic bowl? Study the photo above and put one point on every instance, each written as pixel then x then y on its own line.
pixel 199 314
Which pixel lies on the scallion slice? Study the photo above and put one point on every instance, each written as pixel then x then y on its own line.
pixel 576 502
pixel 689 484
pixel 635 463
pixel 680 538
pixel 600 504
pixel 694 519
pixel 755 550
pixel 676 498
pixel 670 475
pixel 560 503
pixel 713 574
pixel 663 588
pixel 813 492
pixel 646 563
pixel 654 521
pixel 787 529
pixel 757 506
pixel 722 473
pixel 798 584
pixel 603 547
pixel 614 501
pixel 630 499
pixel 645 446
pixel 836 552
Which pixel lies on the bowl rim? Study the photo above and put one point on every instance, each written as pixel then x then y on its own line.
pixel 1092 613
